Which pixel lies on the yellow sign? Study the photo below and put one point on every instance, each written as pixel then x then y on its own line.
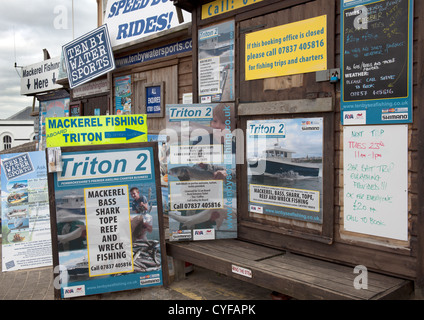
pixel 292 48
pixel 218 7
pixel 78 131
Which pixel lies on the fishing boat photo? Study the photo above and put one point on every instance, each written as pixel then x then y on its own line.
pixel 279 161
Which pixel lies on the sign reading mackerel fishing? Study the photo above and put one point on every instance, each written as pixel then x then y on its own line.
pixel 108 213
pixel 88 56
pixel 201 171
pixel 77 131
pixel 376 62
pixel 285 168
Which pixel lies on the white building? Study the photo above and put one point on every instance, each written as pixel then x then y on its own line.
pixel 17 129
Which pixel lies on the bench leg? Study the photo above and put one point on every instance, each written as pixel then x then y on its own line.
pixel 179 270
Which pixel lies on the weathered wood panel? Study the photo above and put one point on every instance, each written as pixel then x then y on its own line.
pixel 294 275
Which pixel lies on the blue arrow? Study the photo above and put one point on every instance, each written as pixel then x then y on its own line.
pixel 127 134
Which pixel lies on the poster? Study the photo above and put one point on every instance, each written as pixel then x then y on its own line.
pixel 216 63
pixel 218 7
pixel 123 95
pixel 40 77
pixel 201 172
pixel 376 62
pixel 285 158
pixel 376 180
pixel 293 48
pixel 108 211
pixel 26 240
pixel 55 105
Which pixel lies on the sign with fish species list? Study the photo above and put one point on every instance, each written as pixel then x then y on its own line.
pixel 26 241
pixel 201 171
pixel 108 217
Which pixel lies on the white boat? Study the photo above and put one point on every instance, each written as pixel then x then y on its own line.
pixel 279 161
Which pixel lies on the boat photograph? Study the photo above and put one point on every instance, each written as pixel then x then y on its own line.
pixel 284 158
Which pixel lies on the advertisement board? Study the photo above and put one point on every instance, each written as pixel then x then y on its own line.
pixel 88 56
pixel 95 130
pixel 293 48
pixel 132 20
pixel 123 95
pixel 201 172
pixel 285 162
pixel 107 213
pixel 216 63
pixel 25 217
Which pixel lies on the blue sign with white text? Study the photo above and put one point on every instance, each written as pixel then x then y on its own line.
pixel 153 100
pixel 88 56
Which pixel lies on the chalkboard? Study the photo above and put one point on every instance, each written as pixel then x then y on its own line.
pixel 376 180
pixel 376 58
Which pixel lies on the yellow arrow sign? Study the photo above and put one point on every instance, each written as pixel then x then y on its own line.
pixel 93 130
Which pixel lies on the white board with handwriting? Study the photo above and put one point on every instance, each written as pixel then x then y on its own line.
pixel 376 180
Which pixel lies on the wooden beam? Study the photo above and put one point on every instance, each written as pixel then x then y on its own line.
pixel 286 107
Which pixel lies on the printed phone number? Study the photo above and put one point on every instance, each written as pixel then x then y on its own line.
pixel 116 265
pixel 303 46
pixel 204 205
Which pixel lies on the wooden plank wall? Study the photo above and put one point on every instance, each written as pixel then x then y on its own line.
pixel 176 73
pixel 408 248
pixel 417 149
pixel 378 254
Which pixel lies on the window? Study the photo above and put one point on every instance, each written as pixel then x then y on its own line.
pixel 7 142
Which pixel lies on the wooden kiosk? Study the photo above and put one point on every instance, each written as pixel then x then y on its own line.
pixel 352 234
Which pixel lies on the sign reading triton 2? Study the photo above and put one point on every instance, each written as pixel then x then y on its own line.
pixel 77 131
pixel 40 77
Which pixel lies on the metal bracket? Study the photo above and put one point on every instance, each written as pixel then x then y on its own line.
pixel 332 75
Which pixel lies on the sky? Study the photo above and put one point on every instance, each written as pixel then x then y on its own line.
pixel 26 28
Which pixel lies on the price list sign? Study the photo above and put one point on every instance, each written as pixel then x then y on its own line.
pixel 376 62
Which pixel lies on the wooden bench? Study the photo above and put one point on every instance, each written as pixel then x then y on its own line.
pixel 291 274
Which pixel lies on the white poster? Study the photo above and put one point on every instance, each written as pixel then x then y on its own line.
pixel 131 20
pixel 216 62
pixel 376 180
